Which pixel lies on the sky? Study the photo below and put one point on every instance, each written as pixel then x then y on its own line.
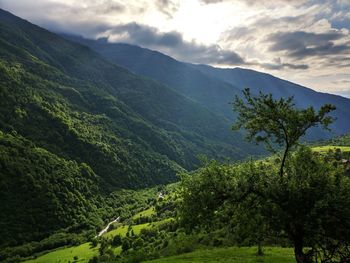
pixel 304 41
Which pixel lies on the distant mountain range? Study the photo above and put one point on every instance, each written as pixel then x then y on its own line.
pixel 213 87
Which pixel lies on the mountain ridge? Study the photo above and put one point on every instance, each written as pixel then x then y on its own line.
pixel 178 74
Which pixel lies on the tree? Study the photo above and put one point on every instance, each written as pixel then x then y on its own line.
pixel 94 242
pixel 277 121
pixel 125 244
pixel 104 245
pixel 312 206
pixel 223 196
pixel 309 205
pixel 117 241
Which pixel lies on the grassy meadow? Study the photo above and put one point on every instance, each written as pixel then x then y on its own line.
pixel 83 253
pixel 232 255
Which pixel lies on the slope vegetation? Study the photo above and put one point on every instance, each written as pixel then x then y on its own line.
pixel 75 127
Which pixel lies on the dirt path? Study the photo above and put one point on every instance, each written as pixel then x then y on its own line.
pixel 106 228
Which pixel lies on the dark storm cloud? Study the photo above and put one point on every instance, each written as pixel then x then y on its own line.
pixel 173 43
pixel 300 44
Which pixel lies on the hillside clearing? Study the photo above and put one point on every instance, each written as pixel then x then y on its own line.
pixel 232 255
pixel 326 148
pixel 84 253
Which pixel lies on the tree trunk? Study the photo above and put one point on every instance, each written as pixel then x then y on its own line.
pixel 260 251
pixel 300 257
pixel 284 160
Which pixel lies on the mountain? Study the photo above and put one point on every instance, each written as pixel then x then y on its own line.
pixel 190 82
pixel 75 127
pixel 267 83
pixel 215 87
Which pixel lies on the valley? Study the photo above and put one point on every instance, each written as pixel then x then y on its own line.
pixel 156 219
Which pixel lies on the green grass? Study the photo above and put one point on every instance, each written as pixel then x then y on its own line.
pixel 232 255
pixel 146 213
pixel 117 250
pixel 84 253
pixel 122 230
pixel 326 148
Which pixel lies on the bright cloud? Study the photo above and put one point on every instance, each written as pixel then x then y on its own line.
pixel 307 42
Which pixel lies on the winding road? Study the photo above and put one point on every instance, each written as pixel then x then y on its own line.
pixel 106 228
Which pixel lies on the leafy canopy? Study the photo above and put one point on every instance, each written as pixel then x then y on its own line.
pixel 277 121
pixel 266 119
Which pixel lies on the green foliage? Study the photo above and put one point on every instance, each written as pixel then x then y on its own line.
pixel 318 196
pixel 51 192
pixel 83 251
pixel 231 255
pixel 268 120
pixel 117 241
pixel 337 141
pixel 310 207
pixel 75 128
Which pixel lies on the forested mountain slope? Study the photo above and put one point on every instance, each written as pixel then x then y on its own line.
pixel 75 127
pixel 78 99
pixel 192 83
pixel 214 87
pixel 267 83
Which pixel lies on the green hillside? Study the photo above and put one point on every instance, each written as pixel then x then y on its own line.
pixel 42 192
pixel 85 104
pixel 76 127
pixel 232 255
pixel 337 141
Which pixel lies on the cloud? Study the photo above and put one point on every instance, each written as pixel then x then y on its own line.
pixel 278 65
pixel 341 81
pixel 42 8
pixel 274 66
pixel 173 44
pixel 238 33
pixel 300 44
pixel 258 2
pixel 211 1
pixel 108 7
pixel 311 37
pixel 86 18
pixel 167 7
